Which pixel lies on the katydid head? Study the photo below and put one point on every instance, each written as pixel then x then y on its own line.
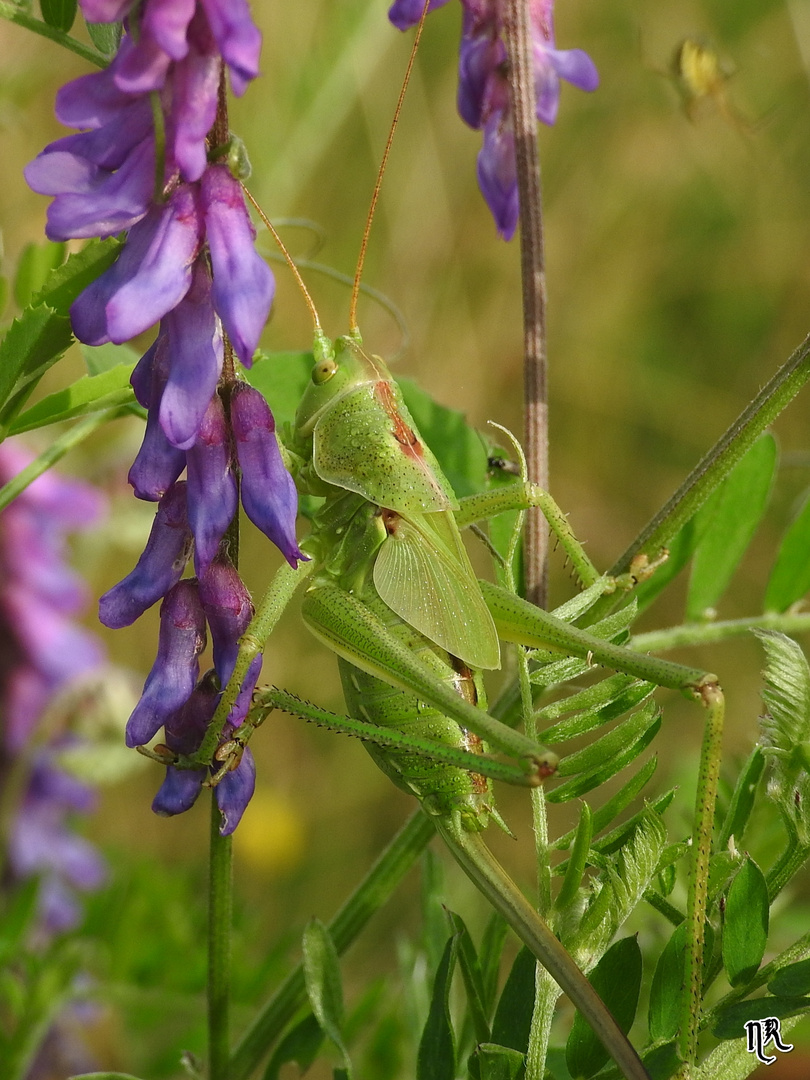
pixel 346 367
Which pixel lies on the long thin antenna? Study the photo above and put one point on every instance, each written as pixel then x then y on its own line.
pixel 290 262
pixel 361 258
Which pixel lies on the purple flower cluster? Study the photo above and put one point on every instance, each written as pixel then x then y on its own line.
pixel 43 652
pixel 189 261
pixel 483 88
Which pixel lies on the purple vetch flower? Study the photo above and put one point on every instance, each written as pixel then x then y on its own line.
pixel 212 495
pixel 159 568
pixel 483 91
pixel 174 673
pixel 43 654
pixel 268 491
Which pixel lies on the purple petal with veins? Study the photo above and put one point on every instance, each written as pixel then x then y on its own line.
pixel 159 568
pixel 158 463
pixel 195 83
pixel 212 496
pixel 228 609
pixel 406 13
pixel 168 25
pixel 235 791
pixel 142 68
pixel 105 11
pixel 243 283
pixel 237 38
pixel 194 353
pixel 150 277
pixel 497 176
pixel 108 203
pixel 91 101
pixel 108 146
pixel 178 792
pixel 268 491
pixel 174 674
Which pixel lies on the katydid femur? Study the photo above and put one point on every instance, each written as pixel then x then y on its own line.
pixel 391 591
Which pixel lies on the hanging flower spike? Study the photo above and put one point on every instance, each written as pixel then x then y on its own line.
pixel 483 91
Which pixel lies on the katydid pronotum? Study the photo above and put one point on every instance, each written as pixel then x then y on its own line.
pixel 391 591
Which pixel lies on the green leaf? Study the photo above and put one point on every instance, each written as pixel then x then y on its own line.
pixel 733 516
pixel 790 577
pixel 572 727
pixel 730 1022
pixel 458 447
pixel 18 912
pixel 745 927
pixel 793 980
pixel 471 973
pixel 436 1059
pixel 32 344
pixel 324 984
pixel 282 377
pixel 101 358
pixel 489 958
pixel 90 393
pixel 36 262
pixel 105 36
pixel 72 277
pixel 617 980
pixel 663 1015
pixel 301 1045
pixel 610 810
pixel 492 1062
pixel 58 13
pixel 103 1076
pixel 3 293
pixel 786 727
pixel 680 551
pixel 577 861
pixel 513 1017
pixel 742 800
pixel 593 764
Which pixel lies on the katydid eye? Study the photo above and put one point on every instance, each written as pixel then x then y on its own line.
pixel 323 371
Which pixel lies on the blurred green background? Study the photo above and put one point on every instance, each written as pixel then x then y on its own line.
pixel 678 280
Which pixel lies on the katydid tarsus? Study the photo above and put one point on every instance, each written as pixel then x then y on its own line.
pixel 391 591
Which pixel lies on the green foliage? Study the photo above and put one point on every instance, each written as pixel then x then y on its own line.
pixel 37 261
pixel 745 930
pixel 790 577
pixel 324 985
pixel 617 980
pixel 59 13
pixel 437 1052
pixel 107 390
pixel 513 1017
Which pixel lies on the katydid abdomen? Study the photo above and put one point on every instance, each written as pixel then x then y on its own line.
pixel 442 789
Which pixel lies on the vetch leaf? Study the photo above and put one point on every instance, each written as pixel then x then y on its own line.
pixel 301 1045
pixel 492 1062
pixel 471 973
pixel 786 727
pixel 616 804
pixel 282 377
pixel 65 283
pixel 105 36
pixel 667 987
pixel 733 516
pixel 489 959
pixel 91 393
pixel 58 13
pixel 436 1059
pixel 742 800
pixel 513 1017
pixel 35 264
pixel 32 344
pixel 793 980
pixel 790 576
pixel 745 927
pixel 577 860
pixel 608 745
pixel 324 984
pixel 632 693
pixel 617 980
pixel 730 1022
pixel 100 358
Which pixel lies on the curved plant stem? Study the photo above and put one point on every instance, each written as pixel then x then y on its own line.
pixel 21 18
pixel 709 633
pixel 220 907
pixel 370 895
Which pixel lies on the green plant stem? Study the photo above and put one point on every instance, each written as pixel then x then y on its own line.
pixel 709 633
pixel 790 862
pixel 220 912
pixel 720 460
pixel 13 14
pixel 370 895
pixel 708 776
pixel 55 452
